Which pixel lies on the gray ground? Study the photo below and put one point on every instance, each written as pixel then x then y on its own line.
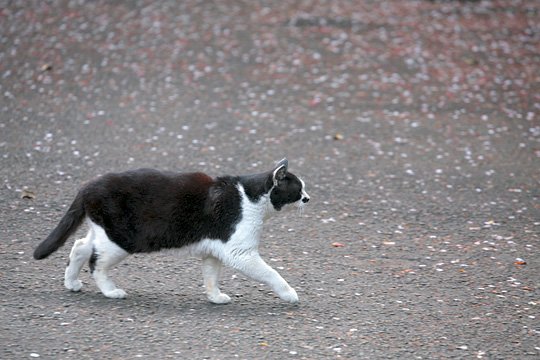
pixel 415 125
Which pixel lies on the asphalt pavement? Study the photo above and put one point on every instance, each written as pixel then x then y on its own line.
pixel 415 125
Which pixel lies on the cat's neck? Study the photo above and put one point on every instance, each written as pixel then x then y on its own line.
pixel 255 211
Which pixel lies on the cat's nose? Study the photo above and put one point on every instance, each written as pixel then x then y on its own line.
pixel 305 200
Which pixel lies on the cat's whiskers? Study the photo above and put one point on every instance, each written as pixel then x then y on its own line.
pixel 300 208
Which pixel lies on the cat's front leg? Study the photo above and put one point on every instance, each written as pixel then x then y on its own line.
pixel 211 268
pixel 253 266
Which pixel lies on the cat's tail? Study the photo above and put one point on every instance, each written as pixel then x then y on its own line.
pixel 67 226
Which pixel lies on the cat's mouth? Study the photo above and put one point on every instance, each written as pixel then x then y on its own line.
pixel 300 204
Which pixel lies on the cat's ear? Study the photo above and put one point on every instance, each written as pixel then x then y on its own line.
pixel 280 171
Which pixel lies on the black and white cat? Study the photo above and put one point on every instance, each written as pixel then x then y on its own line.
pixel 219 220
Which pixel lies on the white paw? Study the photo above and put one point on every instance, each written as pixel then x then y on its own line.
pixel 289 296
pixel 74 285
pixel 115 294
pixel 221 298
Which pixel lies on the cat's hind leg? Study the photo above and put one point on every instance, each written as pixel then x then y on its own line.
pixel 106 254
pixel 211 268
pixel 80 254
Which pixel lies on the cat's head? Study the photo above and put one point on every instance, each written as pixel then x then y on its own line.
pixel 287 188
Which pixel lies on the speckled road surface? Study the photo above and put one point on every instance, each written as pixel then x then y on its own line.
pixel 415 124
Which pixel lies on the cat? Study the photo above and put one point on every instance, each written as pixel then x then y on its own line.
pixel 139 211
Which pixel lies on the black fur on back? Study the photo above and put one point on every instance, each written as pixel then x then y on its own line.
pixel 147 210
